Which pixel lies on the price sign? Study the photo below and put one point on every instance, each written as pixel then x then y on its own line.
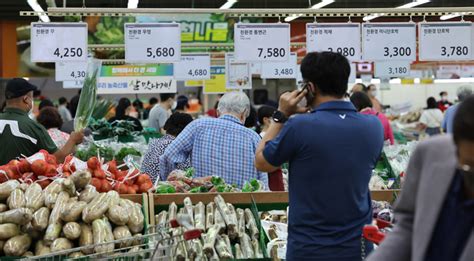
pixel 389 42
pixel 262 42
pixel 70 71
pixel 55 42
pixel 334 37
pixel 445 41
pixel 73 84
pixel 152 42
pixel 392 69
pixel 280 70
pixel 193 67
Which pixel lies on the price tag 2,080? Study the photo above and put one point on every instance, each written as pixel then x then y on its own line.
pixel 152 42
pixel 445 41
pixel 54 42
pixel 193 67
pixel 389 41
pixel 262 42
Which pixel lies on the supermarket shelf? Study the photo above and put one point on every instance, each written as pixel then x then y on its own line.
pixel 307 12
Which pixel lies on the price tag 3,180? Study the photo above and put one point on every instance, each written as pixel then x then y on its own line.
pixel 152 42
pixel 55 42
pixel 262 42
pixel 445 41
pixel 384 69
pixel 70 71
pixel 389 41
pixel 334 37
pixel 280 70
pixel 193 67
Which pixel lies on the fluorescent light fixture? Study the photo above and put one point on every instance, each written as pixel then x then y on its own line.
pixel 316 6
pixel 228 4
pixel 409 5
pixel 449 16
pixel 132 4
pixel 37 8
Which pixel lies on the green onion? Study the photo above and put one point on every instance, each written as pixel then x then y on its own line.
pixel 88 97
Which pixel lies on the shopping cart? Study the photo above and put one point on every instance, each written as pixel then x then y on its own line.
pixel 376 233
pixel 158 243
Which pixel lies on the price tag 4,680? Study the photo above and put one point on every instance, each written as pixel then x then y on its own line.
pixel 55 42
pixel 445 41
pixel 389 41
pixel 152 42
pixel 193 67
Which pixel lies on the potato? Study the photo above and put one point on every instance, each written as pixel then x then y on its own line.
pixel 96 208
pixel 69 187
pixel 72 211
pixel 136 221
pixel 51 192
pixel 20 216
pixel 61 244
pixel 81 178
pixel 3 207
pixel 41 248
pixel 72 230
pixel 17 245
pixel 61 202
pixel 86 238
pixel 8 231
pixel 118 215
pixel 7 188
pixel 99 230
pixel 52 233
pixel 114 198
pixel 88 194
pixel 34 197
pixel 40 219
pixel 16 199
pixel 122 232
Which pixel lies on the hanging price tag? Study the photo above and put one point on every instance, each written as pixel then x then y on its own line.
pixel 389 42
pixel 73 84
pixel 193 67
pixel 70 71
pixel 152 42
pixel 445 41
pixel 334 37
pixel 392 69
pixel 280 70
pixel 262 42
pixel 54 42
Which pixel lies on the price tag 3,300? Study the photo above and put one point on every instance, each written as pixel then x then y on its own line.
pixel 445 41
pixel 262 42
pixel 193 67
pixel 280 70
pixel 56 42
pixel 152 42
pixel 389 41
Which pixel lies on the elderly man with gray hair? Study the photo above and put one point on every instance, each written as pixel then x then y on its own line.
pixel 218 147
pixel 463 92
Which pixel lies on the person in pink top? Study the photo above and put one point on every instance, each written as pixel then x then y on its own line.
pixel 363 104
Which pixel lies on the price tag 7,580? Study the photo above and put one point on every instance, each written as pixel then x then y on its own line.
pixel 55 42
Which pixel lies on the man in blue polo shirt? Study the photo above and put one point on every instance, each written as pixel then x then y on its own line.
pixel 332 152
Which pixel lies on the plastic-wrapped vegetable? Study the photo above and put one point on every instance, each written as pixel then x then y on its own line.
pixel 81 178
pixel 195 250
pixel 136 219
pixel 17 245
pixel 87 99
pixel 233 230
pixel 8 231
pixel 61 202
pixel 40 219
pixel 52 233
pixel 164 188
pixel 200 216
pixel 20 216
pixel 61 244
pixel 34 197
pixel 99 231
pixel 76 255
pixel 251 224
pixel 16 199
pixel 162 218
pixel 3 207
pixel 256 249
pixel 253 185
pixel 7 188
pixel 229 217
pixel 96 208
pixel 72 230
pixel 109 235
pixel 209 215
pixel 86 239
pixel 246 245
pixel 72 211
pixel 188 206
pixel 172 211
pixel 51 193
pixel 114 198
pixel 240 221
pixel 122 232
pixel 118 215
pixel 41 248
pixel 181 252
pixel 69 187
pixel 210 240
pixel 222 250
pixel 28 254
pixel 238 252
pixel 88 194
pixel 219 221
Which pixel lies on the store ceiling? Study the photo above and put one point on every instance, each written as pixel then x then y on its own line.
pixel 9 9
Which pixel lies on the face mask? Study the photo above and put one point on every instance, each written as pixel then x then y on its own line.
pixel 374 93
pixel 175 104
pixel 444 98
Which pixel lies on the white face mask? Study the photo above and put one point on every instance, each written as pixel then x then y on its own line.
pixel 374 93
pixel 30 112
pixel 175 104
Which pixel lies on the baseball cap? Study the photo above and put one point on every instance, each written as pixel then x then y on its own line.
pixel 18 87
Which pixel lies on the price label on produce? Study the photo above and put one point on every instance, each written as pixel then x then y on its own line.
pixel 262 42
pixel 152 42
pixel 55 42
pixel 445 41
pixel 392 69
pixel 389 42
pixel 193 67
pixel 334 37
pixel 280 70
pixel 70 71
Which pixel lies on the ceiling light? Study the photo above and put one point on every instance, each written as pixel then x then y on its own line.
pixel 409 5
pixel 316 6
pixel 228 4
pixel 449 16
pixel 132 4
pixel 37 8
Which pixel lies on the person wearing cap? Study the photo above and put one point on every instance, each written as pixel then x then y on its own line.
pixel 22 136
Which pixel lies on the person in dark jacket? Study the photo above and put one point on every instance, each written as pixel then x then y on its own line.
pixel 122 114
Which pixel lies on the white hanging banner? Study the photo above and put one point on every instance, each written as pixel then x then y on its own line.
pixel 152 42
pixel 280 70
pixel 70 71
pixel 334 37
pixel 193 67
pixel 55 42
pixel 262 42
pixel 385 69
pixel 389 41
pixel 451 41
pixel 238 74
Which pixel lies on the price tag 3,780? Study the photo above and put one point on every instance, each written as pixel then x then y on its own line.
pixel 56 42
pixel 445 41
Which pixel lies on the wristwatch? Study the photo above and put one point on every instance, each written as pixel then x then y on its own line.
pixel 279 117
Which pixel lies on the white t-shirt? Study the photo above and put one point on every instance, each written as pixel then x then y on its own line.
pixel 432 118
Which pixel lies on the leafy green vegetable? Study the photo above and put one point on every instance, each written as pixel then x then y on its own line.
pixel 88 96
pixel 105 152
pixel 102 108
pixel 252 186
pixel 190 172
pixel 201 189
pixel 125 152
pixel 164 188
pixel 216 181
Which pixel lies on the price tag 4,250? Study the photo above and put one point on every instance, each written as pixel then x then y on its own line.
pixel 262 42
pixel 193 67
pixel 152 42
pixel 55 42
pixel 445 41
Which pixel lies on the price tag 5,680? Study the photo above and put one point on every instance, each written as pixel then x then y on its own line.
pixel 55 42
pixel 152 42
pixel 445 41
